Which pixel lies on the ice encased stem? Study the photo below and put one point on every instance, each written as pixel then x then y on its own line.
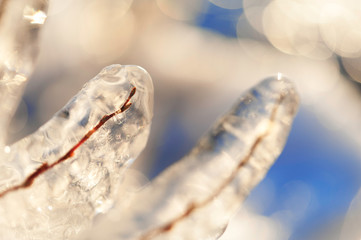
pixel 20 22
pixel 64 200
pixel 194 198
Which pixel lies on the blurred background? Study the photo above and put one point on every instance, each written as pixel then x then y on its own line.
pixel 202 54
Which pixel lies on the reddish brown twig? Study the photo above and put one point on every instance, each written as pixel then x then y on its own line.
pixel 193 206
pixel 45 166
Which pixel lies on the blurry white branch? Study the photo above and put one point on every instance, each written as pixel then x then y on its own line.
pixel 20 21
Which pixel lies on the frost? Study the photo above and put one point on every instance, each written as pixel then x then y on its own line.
pixel 64 199
pixel 195 197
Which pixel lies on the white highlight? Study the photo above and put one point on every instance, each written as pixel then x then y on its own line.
pixel 37 17
pixel 7 149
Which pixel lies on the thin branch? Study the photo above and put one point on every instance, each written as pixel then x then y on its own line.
pixel 196 205
pixel 45 166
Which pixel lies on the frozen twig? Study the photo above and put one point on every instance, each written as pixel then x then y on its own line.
pixel 195 198
pixel 57 191
pixel 69 154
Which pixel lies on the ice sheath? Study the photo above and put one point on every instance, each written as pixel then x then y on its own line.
pixel 195 198
pixel 64 200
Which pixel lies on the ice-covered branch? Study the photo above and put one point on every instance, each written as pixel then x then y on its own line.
pixel 195 198
pixel 85 149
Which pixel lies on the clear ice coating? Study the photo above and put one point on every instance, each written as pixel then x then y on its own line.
pixel 195 198
pixel 65 199
pixel 20 22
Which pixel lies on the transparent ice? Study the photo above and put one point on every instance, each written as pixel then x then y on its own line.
pixel 84 197
pixel 195 198
pixel 65 199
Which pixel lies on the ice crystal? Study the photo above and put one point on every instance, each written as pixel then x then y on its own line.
pixel 195 197
pixel 64 200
